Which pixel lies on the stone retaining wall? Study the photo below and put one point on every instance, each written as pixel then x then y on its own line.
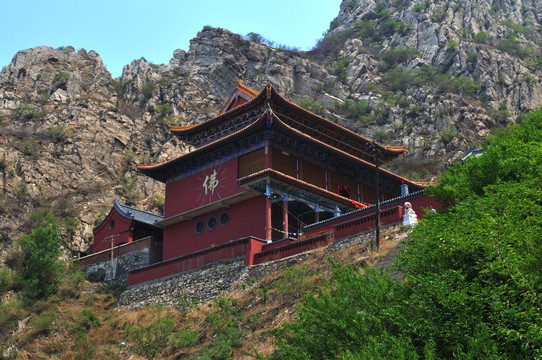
pixel 122 264
pixel 216 279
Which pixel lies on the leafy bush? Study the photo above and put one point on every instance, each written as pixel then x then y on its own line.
pixel 130 189
pixel 395 26
pixel 61 77
pixel 439 15
pixel 28 111
pixel 514 47
pixel 86 320
pixel 316 107
pixel 340 68
pixel 255 37
pixel 351 4
pixel 163 109
pixel 472 57
pixel 356 109
pixel 159 202
pixel 41 267
pixel 71 282
pixel 11 310
pixel 147 90
pixel 395 56
pixel 501 115
pixel 400 79
pixel 381 11
pixel 367 30
pixel 42 324
pixel 418 8
pixel 172 120
pixel 380 135
pixel 352 317
pixel 60 133
pixel 296 281
pixel 447 135
pixel 7 277
pixel 224 321
pixel 482 37
pixel 452 44
pixel 29 147
pixel 118 86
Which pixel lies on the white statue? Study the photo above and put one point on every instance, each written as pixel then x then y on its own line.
pixel 410 217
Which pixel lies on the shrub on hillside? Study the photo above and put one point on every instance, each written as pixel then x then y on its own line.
pixel 41 266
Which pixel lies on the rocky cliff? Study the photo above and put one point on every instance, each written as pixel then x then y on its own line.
pixel 436 76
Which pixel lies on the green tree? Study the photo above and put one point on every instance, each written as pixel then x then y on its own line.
pixel 41 267
pixel 353 316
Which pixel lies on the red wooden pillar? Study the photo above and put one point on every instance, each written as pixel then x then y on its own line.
pixel 268 229
pixel 285 215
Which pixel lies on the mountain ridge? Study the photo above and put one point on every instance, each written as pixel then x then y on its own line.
pixel 435 76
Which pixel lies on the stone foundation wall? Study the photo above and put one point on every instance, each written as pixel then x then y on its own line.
pixel 122 264
pixel 216 279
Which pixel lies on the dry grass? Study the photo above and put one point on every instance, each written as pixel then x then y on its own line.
pixel 264 306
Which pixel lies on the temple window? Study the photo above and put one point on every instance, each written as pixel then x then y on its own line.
pixel 211 223
pixel 225 218
pixel 200 226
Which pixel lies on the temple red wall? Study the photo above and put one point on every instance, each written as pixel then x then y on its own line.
pixel 190 192
pixel 422 203
pixel 247 218
pixel 114 224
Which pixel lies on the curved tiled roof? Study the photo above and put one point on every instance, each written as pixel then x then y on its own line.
pixel 136 214
pixel 153 170
pixel 341 129
pixel 340 152
pixel 264 101
pixel 190 129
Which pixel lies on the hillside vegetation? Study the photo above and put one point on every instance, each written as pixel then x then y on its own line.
pixel 471 288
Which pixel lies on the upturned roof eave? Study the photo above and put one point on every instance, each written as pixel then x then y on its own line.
pixel 392 150
pixel 181 131
pixel 259 100
pixel 152 170
pixel 337 151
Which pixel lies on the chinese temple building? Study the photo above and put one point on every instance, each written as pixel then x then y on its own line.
pixel 127 239
pixel 122 225
pixel 268 179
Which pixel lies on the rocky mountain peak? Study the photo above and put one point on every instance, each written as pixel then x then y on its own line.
pixel 63 74
pixel 435 76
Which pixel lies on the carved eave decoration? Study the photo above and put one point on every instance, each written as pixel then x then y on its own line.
pixel 292 114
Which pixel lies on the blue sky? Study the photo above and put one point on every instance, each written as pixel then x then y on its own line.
pixel 121 31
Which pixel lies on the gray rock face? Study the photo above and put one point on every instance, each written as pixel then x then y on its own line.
pixel 434 76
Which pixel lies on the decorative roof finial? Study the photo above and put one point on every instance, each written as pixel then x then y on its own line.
pixel 268 91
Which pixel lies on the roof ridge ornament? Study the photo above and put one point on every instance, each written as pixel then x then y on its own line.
pixel 268 90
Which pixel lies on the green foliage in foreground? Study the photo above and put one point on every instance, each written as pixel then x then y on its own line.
pixel 41 267
pixel 473 284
